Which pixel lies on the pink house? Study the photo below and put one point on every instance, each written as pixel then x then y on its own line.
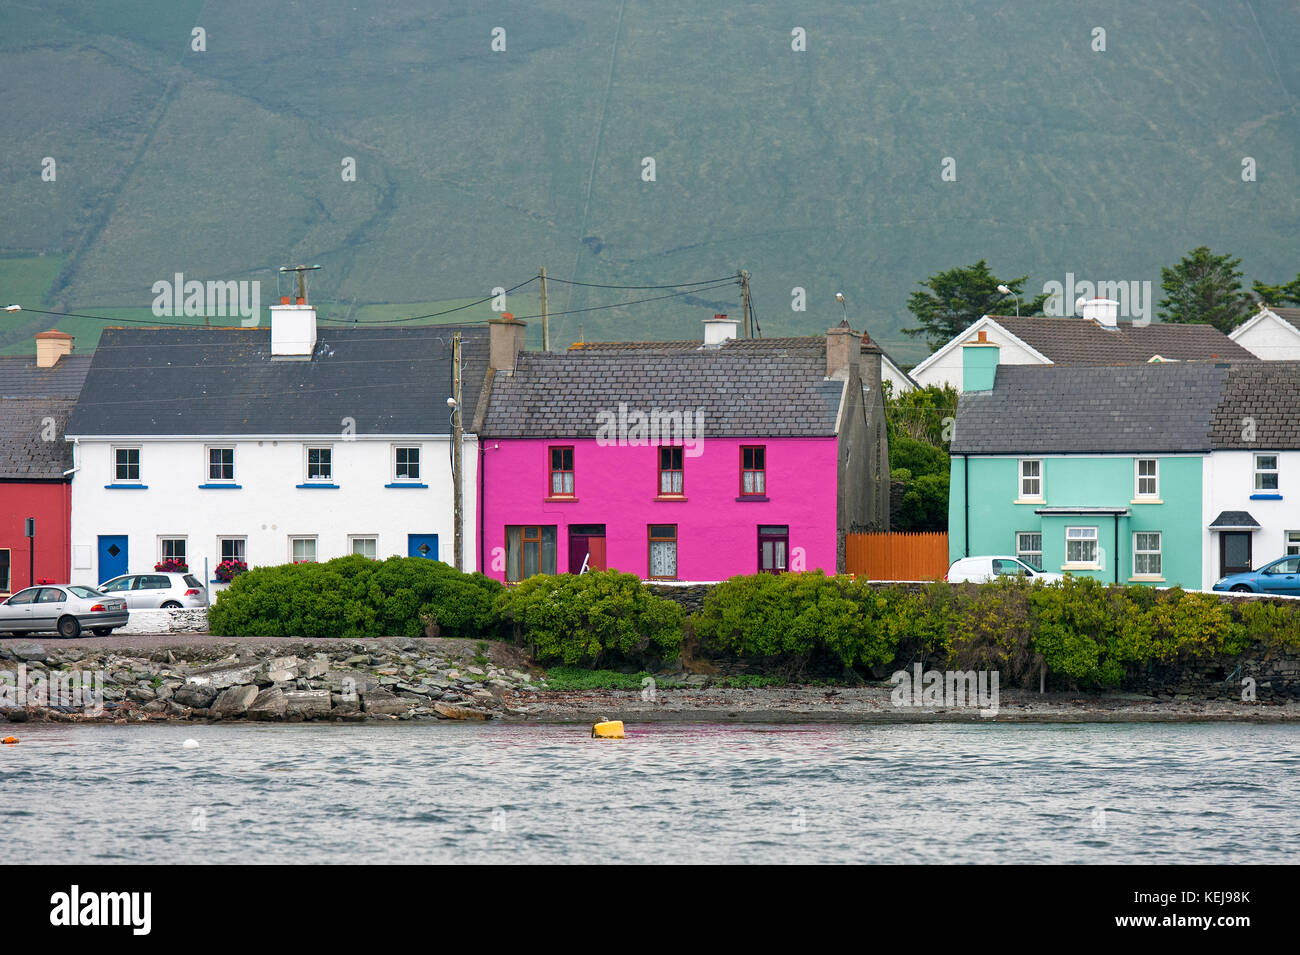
pixel 688 461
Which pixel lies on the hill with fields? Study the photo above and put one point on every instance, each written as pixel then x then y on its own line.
pixel 818 168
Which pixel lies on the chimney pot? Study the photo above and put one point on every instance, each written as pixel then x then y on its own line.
pixel 718 329
pixel 51 346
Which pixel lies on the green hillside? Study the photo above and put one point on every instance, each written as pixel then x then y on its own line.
pixel 817 169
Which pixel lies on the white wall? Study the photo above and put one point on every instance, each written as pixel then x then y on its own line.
pixel 947 370
pixel 1270 339
pixel 893 374
pixel 268 507
pixel 1229 481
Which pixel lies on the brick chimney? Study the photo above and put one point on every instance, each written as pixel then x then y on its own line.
pixel 842 347
pixel 505 342
pixel 51 346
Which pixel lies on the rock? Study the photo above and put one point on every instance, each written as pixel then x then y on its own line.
pixel 410 688
pixel 31 653
pixel 282 676
pixel 198 697
pixel 345 703
pixel 448 711
pixel 219 677
pixel 164 692
pixel 156 706
pixel 269 704
pixel 306 703
pixel 476 671
pixel 16 714
pixel 313 669
pixel 384 704
pixel 142 694
pixel 233 701
pixel 358 658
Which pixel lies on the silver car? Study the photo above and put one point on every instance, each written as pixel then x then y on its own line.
pixel 168 591
pixel 65 609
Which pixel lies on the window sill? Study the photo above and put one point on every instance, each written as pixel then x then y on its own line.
pixel 126 487
pixel 318 486
pixel 1146 579
pixel 1266 497
pixel 406 484
pixel 758 498
pixel 220 487
pixel 1146 500
pixel 1030 500
pixel 671 497
pixel 562 499
pixel 1081 567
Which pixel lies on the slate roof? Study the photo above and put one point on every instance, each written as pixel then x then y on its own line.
pixel 1081 341
pixel 1234 519
pixel 222 381
pixel 1048 409
pixel 21 378
pixel 1260 407
pixel 777 390
pixel 24 425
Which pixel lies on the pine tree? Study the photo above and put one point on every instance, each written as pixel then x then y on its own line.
pixel 1205 289
pixel 958 298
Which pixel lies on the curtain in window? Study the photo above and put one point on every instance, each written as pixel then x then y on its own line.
pixel 663 558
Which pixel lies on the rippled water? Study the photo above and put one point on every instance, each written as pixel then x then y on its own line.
pixel 669 793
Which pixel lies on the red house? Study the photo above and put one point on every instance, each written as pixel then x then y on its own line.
pixel 36 397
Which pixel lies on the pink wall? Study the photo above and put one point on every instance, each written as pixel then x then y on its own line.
pixel 717 536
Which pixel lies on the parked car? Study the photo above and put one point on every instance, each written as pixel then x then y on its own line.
pixel 65 609
pixel 1282 576
pixel 170 591
pixel 982 570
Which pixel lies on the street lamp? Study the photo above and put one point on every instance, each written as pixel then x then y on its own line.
pixel 1005 290
pixel 839 297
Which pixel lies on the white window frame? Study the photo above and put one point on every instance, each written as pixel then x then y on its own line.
pixel 1022 478
pixel 232 537
pixel 1139 477
pixel 1023 555
pixel 402 478
pixel 315 543
pixel 1148 574
pixel 353 539
pixel 185 545
pixel 1275 471
pixel 1093 538
pixel 112 460
pixel 207 464
pixel 1291 543
pixel 307 449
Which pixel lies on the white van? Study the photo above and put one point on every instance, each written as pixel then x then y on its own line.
pixel 983 570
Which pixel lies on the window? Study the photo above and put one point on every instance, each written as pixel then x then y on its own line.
pixel 530 549
pixel 753 471
pixel 561 472
pixel 365 546
pixel 1266 472
pixel 1148 477
pixel 773 549
pixel 1292 541
pixel 1031 479
pixel 407 467
pixel 1081 545
pixel 302 550
pixel 221 464
pixel 5 582
pixel 320 464
pixel 171 548
pixel 1029 548
pixel 1146 554
pixel 233 548
pixel 663 550
pixel 670 471
pixel 126 464
pixel 1009 568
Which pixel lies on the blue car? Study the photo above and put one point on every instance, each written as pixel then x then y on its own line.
pixel 1280 577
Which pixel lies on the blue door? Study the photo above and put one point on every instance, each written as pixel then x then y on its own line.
pixel 112 556
pixel 422 545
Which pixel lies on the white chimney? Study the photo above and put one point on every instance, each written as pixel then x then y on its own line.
pixel 718 329
pixel 293 330
pixel 1103 311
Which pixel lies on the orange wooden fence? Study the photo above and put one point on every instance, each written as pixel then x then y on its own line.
pixel 897 555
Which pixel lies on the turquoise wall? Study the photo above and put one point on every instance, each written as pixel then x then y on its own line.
pixel 1095 481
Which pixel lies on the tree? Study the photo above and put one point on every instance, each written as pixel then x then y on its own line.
pixel 1205 289
pixel 1288 294
pixel 958 298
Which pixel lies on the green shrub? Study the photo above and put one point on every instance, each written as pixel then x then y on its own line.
pixel 596 618
pixel 1276 626
pixel 354 597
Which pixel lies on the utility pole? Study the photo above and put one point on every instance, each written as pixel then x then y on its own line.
pixel 546 322
pixel 31 551
pixel 744 303
pixel 457 433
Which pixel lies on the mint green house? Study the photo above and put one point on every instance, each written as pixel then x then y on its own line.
pixel 1087 470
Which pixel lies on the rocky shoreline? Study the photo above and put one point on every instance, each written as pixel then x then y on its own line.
pixel 288 680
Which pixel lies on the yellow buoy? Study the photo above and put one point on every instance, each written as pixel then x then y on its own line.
pixel 607 729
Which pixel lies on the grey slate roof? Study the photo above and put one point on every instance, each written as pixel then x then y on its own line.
pixel 1081 341
pixel 1260 408
pixel 21 378
pixel 776 390
pixel 1050 409
pixel 200 381
pixel 1234 519
pixel 24 426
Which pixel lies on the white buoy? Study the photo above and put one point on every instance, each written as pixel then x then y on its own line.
pixel 191 744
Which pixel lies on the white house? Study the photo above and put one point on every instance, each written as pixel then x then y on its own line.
pixel 271 446
pixel 1099 338
pixel 1272 334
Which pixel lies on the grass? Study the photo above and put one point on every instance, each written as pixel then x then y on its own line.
pixel 566 679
